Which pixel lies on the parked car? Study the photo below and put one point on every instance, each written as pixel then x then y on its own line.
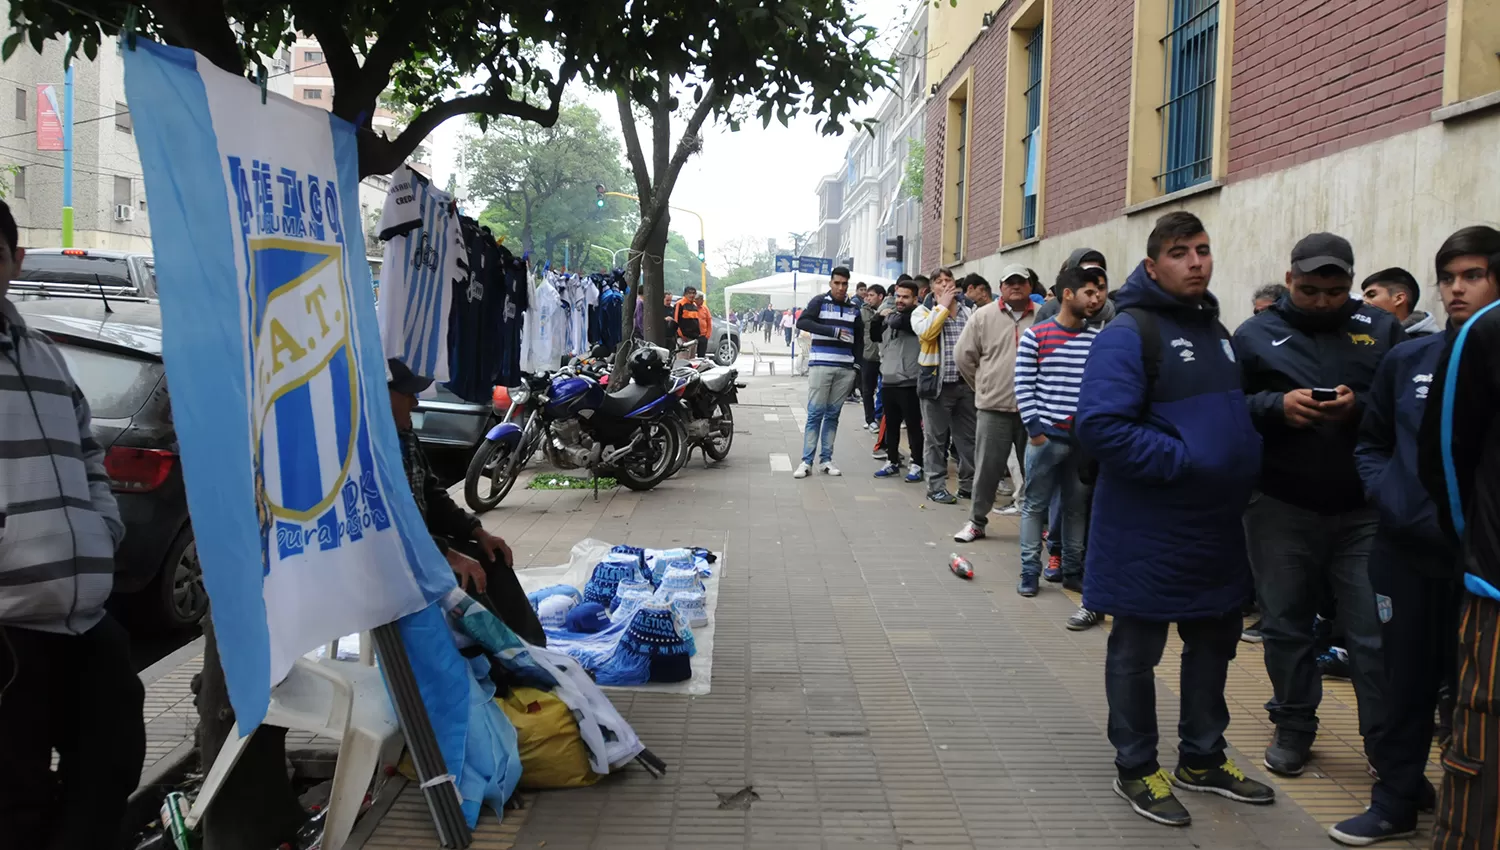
pixel 84 273
pixel 115 356
pixel 724 343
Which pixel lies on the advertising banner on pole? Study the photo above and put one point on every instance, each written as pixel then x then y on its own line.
pixel 304 518
pixel 49 128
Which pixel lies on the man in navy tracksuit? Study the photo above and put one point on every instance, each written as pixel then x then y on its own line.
pixel 1178 456
pixel 1413 565
pixel 1308 363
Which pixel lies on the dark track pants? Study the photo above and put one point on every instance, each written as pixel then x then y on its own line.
pixel 902 407
pixel 78 694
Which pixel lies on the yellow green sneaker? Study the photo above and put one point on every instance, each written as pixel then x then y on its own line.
pixel 1151 797
pixel 1226 780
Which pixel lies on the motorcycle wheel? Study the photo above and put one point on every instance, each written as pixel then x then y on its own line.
pixel 678 424
pixel 716 446
pixel 662 445
pixel 495 463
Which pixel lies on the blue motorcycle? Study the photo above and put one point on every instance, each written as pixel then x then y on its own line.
pixel 569 416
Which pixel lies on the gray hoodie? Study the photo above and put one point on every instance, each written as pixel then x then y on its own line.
pixel 899 347
pixel 1421 323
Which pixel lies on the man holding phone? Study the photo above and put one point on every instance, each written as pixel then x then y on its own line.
pixel 1308 362
pixel 832 318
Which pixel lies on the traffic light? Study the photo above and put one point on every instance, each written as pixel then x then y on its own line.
pixel 701 254
pixel 599 187
pixel 895 249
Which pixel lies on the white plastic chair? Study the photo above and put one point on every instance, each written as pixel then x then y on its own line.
pixel 343 700
pixel 757 360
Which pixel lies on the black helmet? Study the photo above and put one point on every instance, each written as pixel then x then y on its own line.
pixel 648 364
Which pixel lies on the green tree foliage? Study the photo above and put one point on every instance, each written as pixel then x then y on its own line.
pixel 539 181
pixel 490 58
pixel 916 168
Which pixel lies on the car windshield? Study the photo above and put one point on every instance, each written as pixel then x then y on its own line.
pixel 115 385
pixel 80 270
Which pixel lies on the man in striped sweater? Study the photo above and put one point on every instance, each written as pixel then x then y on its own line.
pixel 832 318
pixel 66 679
pixel 1049 372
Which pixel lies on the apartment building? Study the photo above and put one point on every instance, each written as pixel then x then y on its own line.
pixel 109 191
pixel 868 200
pixel 1055 124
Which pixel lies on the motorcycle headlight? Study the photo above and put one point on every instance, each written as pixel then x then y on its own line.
pixel 519 395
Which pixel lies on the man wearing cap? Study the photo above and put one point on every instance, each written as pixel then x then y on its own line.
pixel 1308 363
pixel 1084 258
pixel 986 356
pixel 480 560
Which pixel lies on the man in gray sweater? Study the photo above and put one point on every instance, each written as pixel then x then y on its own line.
pixel 66 678
pixel 899 348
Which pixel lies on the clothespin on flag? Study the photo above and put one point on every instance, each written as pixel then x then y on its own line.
pixel 127 30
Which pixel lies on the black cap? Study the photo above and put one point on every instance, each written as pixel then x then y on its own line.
pixel 1320 250
pixel 403 381
pixel 1085 255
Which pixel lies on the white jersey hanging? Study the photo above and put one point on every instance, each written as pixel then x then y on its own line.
pixel 424 251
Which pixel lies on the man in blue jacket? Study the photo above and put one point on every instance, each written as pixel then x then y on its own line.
pixel 1162 412
pixel 1308 363
pixel 1413 565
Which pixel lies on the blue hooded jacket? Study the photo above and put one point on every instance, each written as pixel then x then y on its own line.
pixel 1386 454
pixel 1175 470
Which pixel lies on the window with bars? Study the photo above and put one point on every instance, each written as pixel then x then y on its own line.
pixel 1032 138
pixel 1191 48
pixel 22 98
pixel 960 178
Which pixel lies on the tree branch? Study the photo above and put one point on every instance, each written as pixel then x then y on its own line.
pixel 686 146
pixel 382 156
pixel 202 27
pixel 633 145
pixel 350 82
pixel 661 128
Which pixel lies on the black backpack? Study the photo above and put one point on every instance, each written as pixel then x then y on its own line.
pixel 1146 325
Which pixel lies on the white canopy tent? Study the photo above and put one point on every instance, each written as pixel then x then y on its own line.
pixel 785 296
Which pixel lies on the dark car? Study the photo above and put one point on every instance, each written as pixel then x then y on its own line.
pixel 85 273
pixel 115 356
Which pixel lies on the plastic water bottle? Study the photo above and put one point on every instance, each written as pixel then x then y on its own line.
pixel 961 566
pixel 310 835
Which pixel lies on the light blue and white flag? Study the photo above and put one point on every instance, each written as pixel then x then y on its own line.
pixel 304 519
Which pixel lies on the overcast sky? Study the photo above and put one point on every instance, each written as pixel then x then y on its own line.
pixel 759 182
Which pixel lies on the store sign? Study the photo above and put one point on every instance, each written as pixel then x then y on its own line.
pixel 49 127
pixel 304 519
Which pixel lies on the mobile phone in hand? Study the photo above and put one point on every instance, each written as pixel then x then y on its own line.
pixel 1324 394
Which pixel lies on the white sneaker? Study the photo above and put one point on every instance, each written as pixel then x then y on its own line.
pixel 802 470
pixel 830 469
pixel 1006 488
pixel 1008 510
pixel 969 533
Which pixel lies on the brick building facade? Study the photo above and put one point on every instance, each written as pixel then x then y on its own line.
pixel 1375 119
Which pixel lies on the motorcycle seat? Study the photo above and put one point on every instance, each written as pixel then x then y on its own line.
pixel 720 379
pixel 620 404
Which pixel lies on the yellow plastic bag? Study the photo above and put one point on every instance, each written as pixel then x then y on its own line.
pixel 553 754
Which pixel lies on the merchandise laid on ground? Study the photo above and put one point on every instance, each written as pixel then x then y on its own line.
pixel 640 618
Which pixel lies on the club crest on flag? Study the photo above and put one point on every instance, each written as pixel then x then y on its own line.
pixel 304 386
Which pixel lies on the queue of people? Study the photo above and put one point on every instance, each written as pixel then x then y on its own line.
pixel 1334 459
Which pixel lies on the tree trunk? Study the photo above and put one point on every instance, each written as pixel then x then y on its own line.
pixel 653 281
pixel 256 808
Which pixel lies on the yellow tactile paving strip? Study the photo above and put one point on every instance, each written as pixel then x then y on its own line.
pixel 1336 784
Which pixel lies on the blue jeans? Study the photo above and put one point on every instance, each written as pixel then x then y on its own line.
pixel 1134 649
pixel 827 389
pixel 1052 467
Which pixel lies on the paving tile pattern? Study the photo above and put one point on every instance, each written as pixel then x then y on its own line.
pixel 864 696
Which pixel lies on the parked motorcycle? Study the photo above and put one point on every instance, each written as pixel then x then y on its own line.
pixel 706 411
pixel 576 424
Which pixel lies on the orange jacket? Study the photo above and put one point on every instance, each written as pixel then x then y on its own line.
pixel 689 316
